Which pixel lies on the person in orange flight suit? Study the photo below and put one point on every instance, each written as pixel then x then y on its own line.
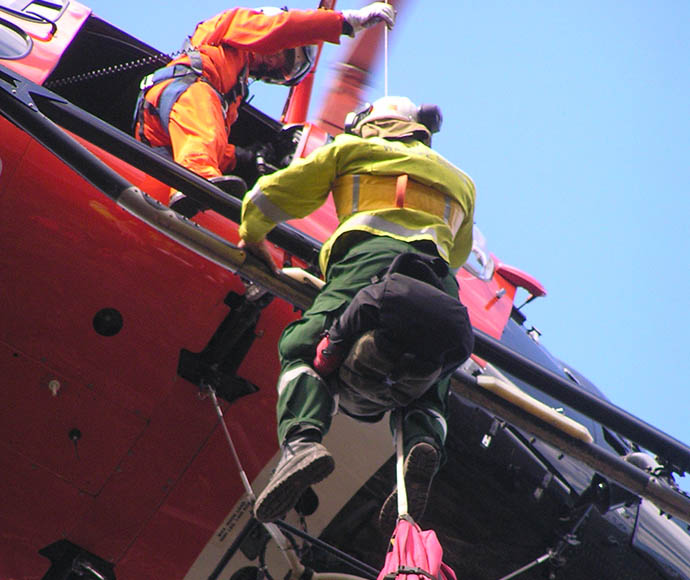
pixel 186 109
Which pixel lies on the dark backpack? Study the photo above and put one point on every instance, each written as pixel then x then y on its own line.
pixel 402 334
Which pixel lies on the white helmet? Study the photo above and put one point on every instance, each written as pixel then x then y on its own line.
pixel 298 61
pixel 400 108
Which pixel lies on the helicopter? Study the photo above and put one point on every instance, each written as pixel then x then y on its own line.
pixel 120 314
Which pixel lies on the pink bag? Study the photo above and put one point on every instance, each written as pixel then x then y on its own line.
pixel 414 555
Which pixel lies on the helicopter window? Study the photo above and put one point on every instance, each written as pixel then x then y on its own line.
pixel 36 11
pixel 571 375
pixel 50 11
pixel 480 263
pixel 517 338
pixel 614 442
pixel 14 42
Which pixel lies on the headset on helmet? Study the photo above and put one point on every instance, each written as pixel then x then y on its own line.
pixel 298 61
pixel 400 108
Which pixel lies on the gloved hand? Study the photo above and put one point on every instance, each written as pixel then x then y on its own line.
pixel 244 156
pixel 369 15
pixel 328 357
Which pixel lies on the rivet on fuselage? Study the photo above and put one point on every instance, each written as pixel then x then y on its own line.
pixel 54 386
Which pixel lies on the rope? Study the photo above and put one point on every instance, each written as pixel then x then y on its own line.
pixel 279 538
pixel 221 419
pixel 385 59
pixel 400 463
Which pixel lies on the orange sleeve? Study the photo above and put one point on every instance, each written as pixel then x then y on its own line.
pixel 247 29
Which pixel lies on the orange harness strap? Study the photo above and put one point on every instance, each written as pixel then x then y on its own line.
pixel 400 188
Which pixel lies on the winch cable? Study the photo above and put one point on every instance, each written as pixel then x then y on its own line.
pixel 385 59
pixel 221 418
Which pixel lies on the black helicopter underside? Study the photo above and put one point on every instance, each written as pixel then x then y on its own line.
pixel 492 517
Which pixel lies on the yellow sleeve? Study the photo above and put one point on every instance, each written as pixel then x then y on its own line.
pixel 462 244
pixel 290 193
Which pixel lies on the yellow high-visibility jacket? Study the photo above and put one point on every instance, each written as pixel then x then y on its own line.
pixel 436 203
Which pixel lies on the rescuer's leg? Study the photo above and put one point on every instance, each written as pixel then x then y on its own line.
pixel 198 137
pixel 421 464
pixel 304 411
pixel 424 436
pixel 303 462
pixel 304 402
pixel 197 130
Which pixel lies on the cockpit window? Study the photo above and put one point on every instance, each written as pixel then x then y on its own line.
pixel 14 42
pixel 40 15
pixel 42 9
pixel 480 263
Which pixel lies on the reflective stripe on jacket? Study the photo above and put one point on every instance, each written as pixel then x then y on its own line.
pixel 303 187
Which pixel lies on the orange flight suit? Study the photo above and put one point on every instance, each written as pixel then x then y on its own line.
pixel 199 128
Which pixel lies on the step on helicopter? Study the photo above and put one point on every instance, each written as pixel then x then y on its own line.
pixel 138 344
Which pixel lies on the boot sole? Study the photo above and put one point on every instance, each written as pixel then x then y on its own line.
pixel 420 468
pixel 280 496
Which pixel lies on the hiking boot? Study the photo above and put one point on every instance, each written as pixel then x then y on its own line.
pixel 231 184
pixel 302 463
pixel 420 466
pixel 184 205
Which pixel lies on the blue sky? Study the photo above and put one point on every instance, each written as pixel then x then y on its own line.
pixel 573 119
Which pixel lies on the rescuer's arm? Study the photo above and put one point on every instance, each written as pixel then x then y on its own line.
pixel 252 31
pixel 462 244
pixel 291 193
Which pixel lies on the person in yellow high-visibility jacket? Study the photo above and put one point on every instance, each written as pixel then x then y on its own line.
pixel 393 194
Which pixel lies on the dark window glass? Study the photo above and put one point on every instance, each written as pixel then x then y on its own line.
pixel 517 338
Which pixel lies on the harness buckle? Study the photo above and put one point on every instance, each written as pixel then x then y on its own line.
pixel 146 83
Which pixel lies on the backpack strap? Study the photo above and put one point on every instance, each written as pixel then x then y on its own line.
pixel 409 570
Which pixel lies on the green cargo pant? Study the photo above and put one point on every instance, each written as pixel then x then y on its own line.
pixel 303 397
